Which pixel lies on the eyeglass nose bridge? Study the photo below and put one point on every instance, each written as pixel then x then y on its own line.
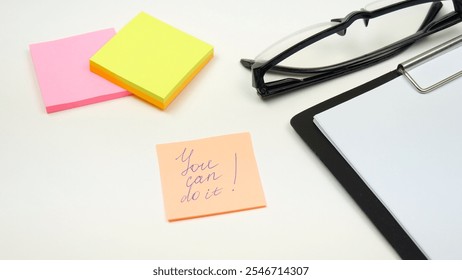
pixel 343 31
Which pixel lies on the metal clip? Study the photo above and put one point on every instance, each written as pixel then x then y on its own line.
pixel 404 67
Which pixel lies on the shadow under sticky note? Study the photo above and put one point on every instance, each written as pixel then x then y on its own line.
pixel 209 176
pixel 151 59
pixel 63 74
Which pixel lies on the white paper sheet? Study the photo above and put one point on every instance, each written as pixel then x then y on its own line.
pixel 407 147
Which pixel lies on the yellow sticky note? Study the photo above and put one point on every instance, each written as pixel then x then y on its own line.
pixel 209 176
pixel 151 59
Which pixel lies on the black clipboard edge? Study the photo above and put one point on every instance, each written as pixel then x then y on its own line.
pixel 348 178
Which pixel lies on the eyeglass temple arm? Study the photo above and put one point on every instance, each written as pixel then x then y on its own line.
pixel 288 84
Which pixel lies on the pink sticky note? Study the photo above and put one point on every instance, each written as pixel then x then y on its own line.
pixel 63 71
pixel 209 176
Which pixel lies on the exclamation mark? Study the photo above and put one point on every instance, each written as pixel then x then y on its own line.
pixel 235 169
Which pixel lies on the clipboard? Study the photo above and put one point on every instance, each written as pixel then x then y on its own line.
pixel 303 123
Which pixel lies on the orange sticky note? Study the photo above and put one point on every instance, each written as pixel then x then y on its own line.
pixel 209 176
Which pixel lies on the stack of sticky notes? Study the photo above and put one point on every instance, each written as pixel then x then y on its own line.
pixel 148 58
pixel 151 59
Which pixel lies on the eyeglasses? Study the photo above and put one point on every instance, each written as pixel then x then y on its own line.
pixel 292 55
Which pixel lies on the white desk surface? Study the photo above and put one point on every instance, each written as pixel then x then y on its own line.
pixel 84 183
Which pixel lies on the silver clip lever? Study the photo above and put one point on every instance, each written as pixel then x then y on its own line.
pixel 404 67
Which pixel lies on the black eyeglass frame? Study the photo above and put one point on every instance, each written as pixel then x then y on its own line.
pixel 428 27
